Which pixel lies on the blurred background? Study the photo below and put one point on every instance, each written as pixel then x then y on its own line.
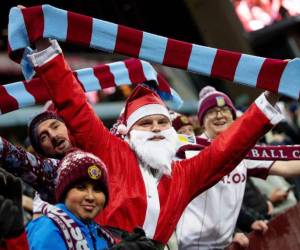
pixel 264 28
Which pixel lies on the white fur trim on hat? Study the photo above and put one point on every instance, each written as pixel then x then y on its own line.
pixel 150 109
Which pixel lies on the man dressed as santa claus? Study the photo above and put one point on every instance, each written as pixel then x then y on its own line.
pixel 148 188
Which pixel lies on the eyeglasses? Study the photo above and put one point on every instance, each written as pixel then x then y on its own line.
pixel 214 112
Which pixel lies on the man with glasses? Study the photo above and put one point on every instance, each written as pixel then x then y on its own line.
pixel 209 220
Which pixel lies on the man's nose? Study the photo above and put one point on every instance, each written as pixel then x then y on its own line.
pixel 156 127
pixel 52 135
pixel 219 113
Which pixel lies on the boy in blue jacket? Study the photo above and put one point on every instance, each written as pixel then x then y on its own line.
pixel 82 193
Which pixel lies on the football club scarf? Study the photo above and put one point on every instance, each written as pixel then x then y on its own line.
pixel 259 152
pixel 72 234
pixel 30 24
pixel 132 71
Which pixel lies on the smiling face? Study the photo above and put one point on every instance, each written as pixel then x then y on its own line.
pixel 216 120
pixel 154 141
pixel 152 123
pixel 85 199
pixel 53 138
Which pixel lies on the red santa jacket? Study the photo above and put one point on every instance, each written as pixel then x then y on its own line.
pixel 18 243
pixel 128 203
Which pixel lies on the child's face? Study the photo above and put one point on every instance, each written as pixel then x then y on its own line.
pixel 85 200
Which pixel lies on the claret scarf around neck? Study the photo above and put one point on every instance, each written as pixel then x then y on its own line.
pixel 29 24
pixel 74 238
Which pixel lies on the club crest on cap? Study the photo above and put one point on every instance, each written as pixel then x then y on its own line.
pixel 94 172
pixel 184 119
pixel 220 101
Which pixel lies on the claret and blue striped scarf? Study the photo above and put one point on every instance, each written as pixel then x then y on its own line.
pixel 30 24
pixel 132 71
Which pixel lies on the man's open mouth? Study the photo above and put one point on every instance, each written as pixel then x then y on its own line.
pixel 59 142
pixel 156 138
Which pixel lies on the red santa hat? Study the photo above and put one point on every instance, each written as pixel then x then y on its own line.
pixel 142 102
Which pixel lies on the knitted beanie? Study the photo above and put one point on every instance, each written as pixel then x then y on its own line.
pixel 180 121
pixel 33 125
pixel 209 98
pixel 77 166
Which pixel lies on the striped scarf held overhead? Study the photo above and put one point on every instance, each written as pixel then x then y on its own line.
pixel 132 71
pixel 28 25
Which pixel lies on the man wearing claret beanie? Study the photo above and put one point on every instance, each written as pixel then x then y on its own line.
pixel 149 188
pixel 216 113
pixel 212 229
pixel 210 98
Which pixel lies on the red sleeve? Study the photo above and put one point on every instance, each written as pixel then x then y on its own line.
pixel 18 243
pixel 86 128
pixel 225 152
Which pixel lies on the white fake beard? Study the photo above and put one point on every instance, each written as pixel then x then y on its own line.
pixel 155 154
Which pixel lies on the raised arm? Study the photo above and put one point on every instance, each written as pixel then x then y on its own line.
pixel 286 168
pixel 230 147
pixel 34 170
pixel 68 96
